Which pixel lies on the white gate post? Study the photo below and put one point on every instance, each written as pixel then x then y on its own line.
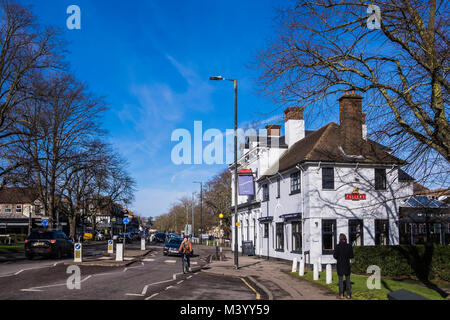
pixel 329 274
pixel 294 265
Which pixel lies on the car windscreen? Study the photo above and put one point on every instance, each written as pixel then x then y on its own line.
pixel 175 241
pixel 41 235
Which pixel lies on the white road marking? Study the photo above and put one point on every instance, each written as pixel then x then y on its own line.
pixel 127 259
pixel 149 260
pixel 180 281
pixel 144 291
pixel 31 290
pixel 189 277
pixel 153 295
pixel 175 275
pixel 169 287
pixel 52 285
pixel 20 271
pixel 170 261
pixel 134 294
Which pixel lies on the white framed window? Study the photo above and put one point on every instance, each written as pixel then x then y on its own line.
pixel 8 209
pixel 19 208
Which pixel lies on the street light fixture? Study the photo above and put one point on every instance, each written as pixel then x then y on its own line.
pixel 216 78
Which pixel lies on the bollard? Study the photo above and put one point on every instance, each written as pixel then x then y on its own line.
pixel 294 265
pixel 77 253
pixel 320 264
pixel 329 274
pixel 119 252
pixel 316 271
pixel 143 244
pixel 301 271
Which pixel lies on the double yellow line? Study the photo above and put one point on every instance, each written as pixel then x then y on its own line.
pixel 258 297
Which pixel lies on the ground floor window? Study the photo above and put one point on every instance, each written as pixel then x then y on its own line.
pixel 381 232
pixel 416 233
pixel 328 236
pixel 279 236
pixel 296 236
pixel 266 230
pixel 355 231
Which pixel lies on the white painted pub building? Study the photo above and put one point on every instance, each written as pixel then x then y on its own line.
pixel 310 186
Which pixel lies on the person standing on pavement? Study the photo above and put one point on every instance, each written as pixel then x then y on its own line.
pixel 343 253
pixel 186 248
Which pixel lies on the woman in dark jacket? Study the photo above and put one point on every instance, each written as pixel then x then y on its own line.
pixel 343 254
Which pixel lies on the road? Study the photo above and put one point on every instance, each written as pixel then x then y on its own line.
pixel 153 277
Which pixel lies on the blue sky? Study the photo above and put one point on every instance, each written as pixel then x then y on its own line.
pixel 152 60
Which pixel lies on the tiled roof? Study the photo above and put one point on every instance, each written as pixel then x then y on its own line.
pixel 16 195
pixel 325 145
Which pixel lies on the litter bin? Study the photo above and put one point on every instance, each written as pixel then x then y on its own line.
pixel 247 248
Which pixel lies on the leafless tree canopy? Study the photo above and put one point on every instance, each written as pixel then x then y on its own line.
pixel 324 47
pixel 50 124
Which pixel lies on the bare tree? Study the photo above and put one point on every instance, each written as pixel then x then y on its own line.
pixel 324 47
pixel 58 130
pixel 26 52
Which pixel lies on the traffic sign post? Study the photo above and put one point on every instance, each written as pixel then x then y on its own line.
pixel 125 222
pixel 45 223
pixel 78 254
pixel 110 246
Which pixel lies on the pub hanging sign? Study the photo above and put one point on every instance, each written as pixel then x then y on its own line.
pixel 355 195
pixel 245 183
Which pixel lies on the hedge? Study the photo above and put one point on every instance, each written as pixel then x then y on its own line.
pixel 417 262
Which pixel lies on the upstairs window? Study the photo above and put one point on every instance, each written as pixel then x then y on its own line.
pixel 295 182
pixel 265 188
pixel 328 178
pixel 380 179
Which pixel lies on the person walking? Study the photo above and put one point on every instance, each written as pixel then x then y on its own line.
pixel 343 253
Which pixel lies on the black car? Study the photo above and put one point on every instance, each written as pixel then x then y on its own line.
pixel 172 245
pixel 48 243
pixel 160 237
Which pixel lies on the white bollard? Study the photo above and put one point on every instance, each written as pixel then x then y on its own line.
pixel 294 265
pixel 142 244
pixel 316 271
pixel 119 252
pixel 301 269
pixel 320 264
pixel 329 274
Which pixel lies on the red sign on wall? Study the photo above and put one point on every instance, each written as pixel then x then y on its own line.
pixel 355 195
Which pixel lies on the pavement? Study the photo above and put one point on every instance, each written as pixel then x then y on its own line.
pixel 269 276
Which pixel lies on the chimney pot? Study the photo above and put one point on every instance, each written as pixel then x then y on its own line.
pixel 273 130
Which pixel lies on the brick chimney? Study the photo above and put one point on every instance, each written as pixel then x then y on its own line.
pixel 351 122
pixel 295 125
pixel 273 130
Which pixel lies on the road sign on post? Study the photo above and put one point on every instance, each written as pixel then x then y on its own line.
pixel 110 246
pixel 45 223
pixel 77 254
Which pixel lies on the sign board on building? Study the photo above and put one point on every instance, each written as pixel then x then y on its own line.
pixel 355 195
pixel 245 183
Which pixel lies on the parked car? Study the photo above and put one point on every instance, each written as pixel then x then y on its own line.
pixel 48 243
pixel 172 245
pixel 160 237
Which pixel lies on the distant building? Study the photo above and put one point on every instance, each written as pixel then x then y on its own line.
pixel 16 206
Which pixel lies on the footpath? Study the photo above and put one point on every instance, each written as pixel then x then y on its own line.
pixel 270 276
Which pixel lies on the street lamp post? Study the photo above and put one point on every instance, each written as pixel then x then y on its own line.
pixel 201 210
pixel 236 259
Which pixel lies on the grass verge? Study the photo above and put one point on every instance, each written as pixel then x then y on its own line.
pixel 361 292
pixel 11 248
